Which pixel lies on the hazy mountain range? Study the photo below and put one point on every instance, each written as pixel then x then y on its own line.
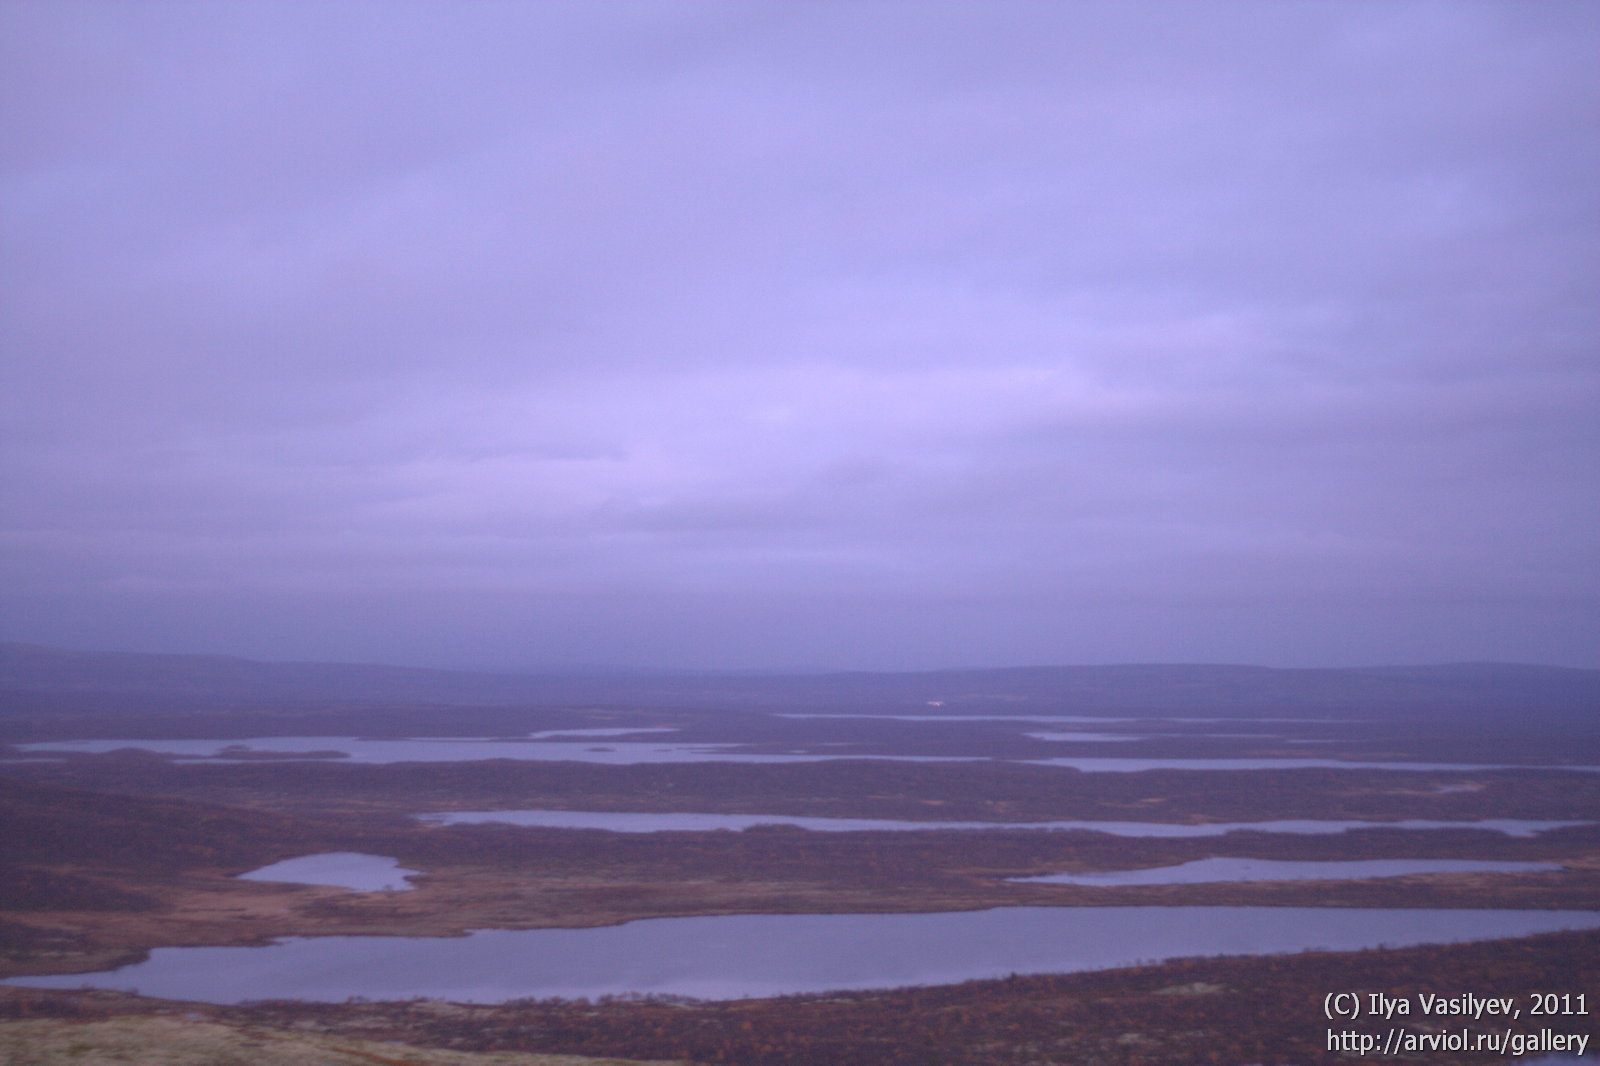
pixel 107 680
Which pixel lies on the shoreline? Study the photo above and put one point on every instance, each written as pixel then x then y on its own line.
pixel 1266 1009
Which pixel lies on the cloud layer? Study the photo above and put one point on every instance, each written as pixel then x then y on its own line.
pixel 881 335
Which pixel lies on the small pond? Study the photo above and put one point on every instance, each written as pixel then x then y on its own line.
pixel 342 869
pixel 772 954
pixel 1203 871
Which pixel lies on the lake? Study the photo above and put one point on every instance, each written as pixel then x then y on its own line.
pixel 772 954
pixel 602 749
pixel 634 822
pixel 450 749
pixel 342 869
pixel 1205 871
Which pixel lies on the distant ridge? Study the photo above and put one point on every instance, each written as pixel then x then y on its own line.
pixel 28 672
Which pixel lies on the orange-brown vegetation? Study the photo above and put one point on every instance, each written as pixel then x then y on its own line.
pixel 94 878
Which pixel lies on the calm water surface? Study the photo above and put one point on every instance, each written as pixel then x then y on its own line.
pixel 773 954
pixel 601 749
pixel 342 869
pixel 452 749
pixel 1101 765
pixel 1203 871
pixel 629 822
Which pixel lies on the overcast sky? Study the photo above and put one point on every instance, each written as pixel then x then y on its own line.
pixel 864 335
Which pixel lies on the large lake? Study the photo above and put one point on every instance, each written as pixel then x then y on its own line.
pixel 624 752
pixel 634 822
pixel 773 954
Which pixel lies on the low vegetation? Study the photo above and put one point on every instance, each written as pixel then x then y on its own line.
pixel 1266 1010
pixel 105 857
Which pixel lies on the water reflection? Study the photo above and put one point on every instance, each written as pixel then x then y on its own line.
pixel 427 749
pixel 1077 737
pixel 767 954
pixel 1099 765
pixel 1203 871
pixel 342 869
pixel 465 749
pixel 638 822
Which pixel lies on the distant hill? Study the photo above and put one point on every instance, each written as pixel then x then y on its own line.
pixel 32 668
pixel 32 676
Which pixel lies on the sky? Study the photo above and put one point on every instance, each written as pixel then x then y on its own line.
pixel 744 335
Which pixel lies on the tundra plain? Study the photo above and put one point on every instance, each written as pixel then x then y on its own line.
pixel 110 855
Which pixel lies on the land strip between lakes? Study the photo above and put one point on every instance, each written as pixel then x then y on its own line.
pixel 92 879
pixel 847 788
